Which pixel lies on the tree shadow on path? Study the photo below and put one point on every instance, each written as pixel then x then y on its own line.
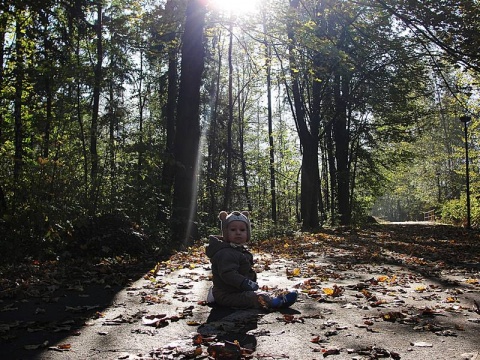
pixel 53 306
pixel 231 325
pixel 235 330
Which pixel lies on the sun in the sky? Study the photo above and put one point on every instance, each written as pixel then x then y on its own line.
pixel 235 6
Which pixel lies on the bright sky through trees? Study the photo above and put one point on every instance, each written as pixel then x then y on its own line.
pixel 235 6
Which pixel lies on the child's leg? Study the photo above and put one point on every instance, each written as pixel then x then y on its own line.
pixel 240 300
pixel 250 299
pixel 283 300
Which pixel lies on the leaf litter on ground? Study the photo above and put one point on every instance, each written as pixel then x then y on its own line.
pixel 404 265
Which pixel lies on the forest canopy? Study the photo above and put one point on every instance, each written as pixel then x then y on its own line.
pixel 306 113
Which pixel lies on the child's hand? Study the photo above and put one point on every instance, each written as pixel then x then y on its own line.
pixel 249 285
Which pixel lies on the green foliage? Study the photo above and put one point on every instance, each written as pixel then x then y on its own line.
pixel 266 229
pixel 405 144
pixel 455 211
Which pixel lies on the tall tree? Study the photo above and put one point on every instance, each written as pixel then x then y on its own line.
pixel 271 143
pixel 213 150
pixel 168 169
pixel 310 178
pixel 449 26
pixel 20 20
pixel 98 77
pixel 342 138
pixel 187 136
pixel 229 180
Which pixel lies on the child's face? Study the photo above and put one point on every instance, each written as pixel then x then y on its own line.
pixel 237 232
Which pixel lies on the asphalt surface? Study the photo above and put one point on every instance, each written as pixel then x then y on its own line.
pixel 348 308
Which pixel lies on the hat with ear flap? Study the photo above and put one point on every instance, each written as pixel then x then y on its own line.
pixel 226 219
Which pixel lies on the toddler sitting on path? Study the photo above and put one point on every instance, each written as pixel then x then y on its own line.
pixel 234 280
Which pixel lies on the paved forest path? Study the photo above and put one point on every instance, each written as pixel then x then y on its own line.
pixel 396 291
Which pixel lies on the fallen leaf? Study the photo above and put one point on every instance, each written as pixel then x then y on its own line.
pixel 225 350
pixel 421 344
pixel 445 333
pixel 331 351
pixel 61 347
pixel 198 339
pixel 198 351
pixel 469 356
pixel 36 346
pixel 477 321
pixel 152 319
pixel 333 292
pixel 393 316
pixel 328 291
pixel 193 323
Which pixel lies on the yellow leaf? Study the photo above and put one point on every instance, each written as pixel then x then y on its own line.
pixel 471 281
pixel 382 278
pixel 420 288
pixel 328 291
pixel 193 323
pixel 296 272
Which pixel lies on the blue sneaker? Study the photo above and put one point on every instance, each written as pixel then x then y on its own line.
pixel 284 301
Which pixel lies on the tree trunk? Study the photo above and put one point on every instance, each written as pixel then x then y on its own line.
pixel 3 25
pixel 111 143
pixel 316 120
pixel 168 169
pixel 332 170
pixel 341 150
pixel 95 114
pixel 310 178
pixel 310 189
pixel 49 98
pixel 187 136
pixel 228 185
pixel 79 117
pixel 141 107
pixel 268 66
pixel 3 22
pixel 213 163
pixel 241 141
pixel 325 188
pixel 17 110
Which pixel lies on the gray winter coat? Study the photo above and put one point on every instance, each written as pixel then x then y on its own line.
pixel 230 266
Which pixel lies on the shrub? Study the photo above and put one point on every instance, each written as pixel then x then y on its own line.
pixel 455 211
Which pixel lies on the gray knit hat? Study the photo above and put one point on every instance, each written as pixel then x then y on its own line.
pixel 226 219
